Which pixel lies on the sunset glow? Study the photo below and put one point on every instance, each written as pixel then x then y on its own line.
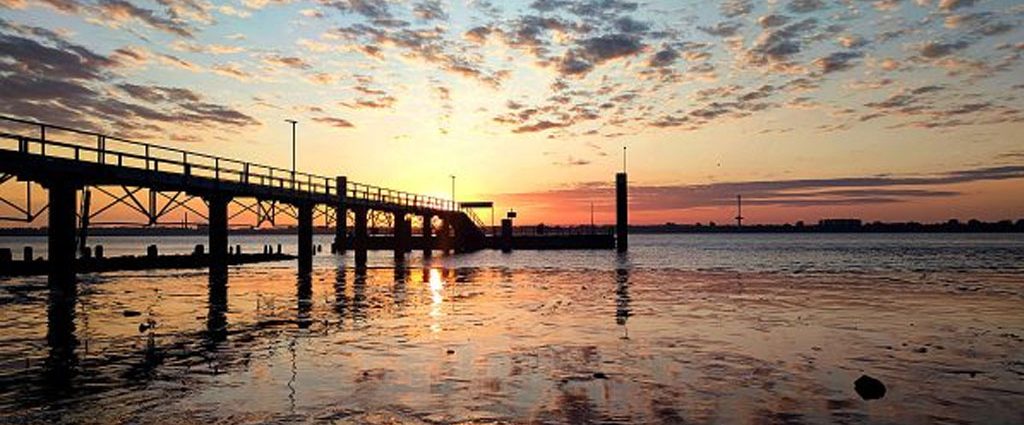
pixel 885 110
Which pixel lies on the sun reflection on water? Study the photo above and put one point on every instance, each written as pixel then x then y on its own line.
pixel 436 299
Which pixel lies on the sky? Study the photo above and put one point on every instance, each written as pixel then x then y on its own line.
pixel 882 110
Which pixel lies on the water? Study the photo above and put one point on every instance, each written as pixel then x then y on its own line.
pixel 683 329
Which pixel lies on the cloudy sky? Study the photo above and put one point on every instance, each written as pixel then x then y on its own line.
pixel 887 109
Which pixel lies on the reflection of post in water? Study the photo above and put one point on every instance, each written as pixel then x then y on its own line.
pixel 304 296
pixel 61 363
pixel 622 300
pixel 340 300
pixel 398 292
pixel 359 295
pixel 216 315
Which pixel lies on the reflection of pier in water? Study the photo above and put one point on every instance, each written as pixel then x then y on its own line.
pixel 347 297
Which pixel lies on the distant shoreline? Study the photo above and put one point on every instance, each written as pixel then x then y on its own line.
pixel 973 226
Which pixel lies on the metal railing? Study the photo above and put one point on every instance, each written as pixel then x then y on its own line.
pixel 116 151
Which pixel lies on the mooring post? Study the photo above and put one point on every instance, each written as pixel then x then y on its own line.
pixel 218 232
pixel 61 236
pixel 359 241
pixel 621 213
pixel 506 235
pixel 305 237
pixel 428 234
pixel 340 215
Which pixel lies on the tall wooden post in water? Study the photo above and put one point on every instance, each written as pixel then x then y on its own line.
pixel 621 213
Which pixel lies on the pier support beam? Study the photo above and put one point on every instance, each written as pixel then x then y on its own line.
pixel 340 216
pixel 403 234
pixel 218 233
pixel 428 235
pixel 445 235
pixel 621 214
pixel 305 237
pixel 61 236
pixel 359 239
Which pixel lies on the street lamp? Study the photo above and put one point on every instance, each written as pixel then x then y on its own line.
pixel 293 123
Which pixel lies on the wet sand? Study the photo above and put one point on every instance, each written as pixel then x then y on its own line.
pixel 497 345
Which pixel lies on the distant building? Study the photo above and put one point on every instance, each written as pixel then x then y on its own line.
pixel 839 225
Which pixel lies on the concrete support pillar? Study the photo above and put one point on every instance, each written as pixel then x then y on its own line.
pixel 305 237
pixel 218 233
pixel 340 216
pixel 61 236
pixel 621 213
pixel 403 234
pixel 445 236
pixel 360 238
pixel 506 235
pixel 428 235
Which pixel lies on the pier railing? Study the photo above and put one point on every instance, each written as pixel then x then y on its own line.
pixel 38 139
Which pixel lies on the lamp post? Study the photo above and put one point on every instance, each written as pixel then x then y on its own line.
pixel 293 123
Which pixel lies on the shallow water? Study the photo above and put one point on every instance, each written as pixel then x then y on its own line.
pixel 665 334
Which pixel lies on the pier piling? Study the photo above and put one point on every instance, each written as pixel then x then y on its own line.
pixel 428 235
pixel 218 232
pixel 340 216
pixel 359 241
pixel 61 234
pixel 305 238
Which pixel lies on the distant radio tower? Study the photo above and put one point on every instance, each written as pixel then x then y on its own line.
pixel 739 210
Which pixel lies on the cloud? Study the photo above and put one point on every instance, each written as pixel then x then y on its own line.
pixel 779 45
pixel 805 6
pixel 49 77
pixel 949 5
pixel 211 49
pixel 122 11
pixel 664 57
pixel 429 10
pixel 933 49
pixel 334 122
pixel 837 61
pixel 286 62
pixel 540 126
pixel 735 8
pixel 795 192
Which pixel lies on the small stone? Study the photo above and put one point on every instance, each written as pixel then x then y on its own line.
pixel 921 350
pixel 600 375
pixel 131 313
pixel 869 388
pixel 451 351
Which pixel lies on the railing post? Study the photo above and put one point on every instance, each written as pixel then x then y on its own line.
pixel 100 149
pixel 147 157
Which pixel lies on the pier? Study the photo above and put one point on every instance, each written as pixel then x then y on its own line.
pixel 68 162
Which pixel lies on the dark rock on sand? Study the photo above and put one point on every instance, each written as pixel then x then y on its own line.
pixel 869 388
pixel 600 375
pixel 131 313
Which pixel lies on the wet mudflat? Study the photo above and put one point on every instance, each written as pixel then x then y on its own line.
pixel 460 345
pixel 429 342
